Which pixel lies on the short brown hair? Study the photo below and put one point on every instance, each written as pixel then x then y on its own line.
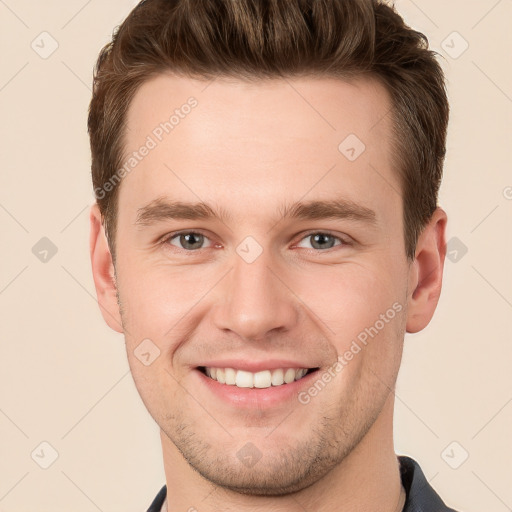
pixel 258 39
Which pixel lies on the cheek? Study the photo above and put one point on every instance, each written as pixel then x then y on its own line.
pixel 156 298
pixel 365 315
pixel 350 299
pixel 156 387
pixel 362 312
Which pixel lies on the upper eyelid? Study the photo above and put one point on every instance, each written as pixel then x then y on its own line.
pixel 170 236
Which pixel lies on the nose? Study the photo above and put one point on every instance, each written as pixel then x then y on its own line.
pixel 255 301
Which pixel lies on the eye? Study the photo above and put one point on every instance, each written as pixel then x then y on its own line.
pixel 192 241
pixel 187 240
pixel 323 241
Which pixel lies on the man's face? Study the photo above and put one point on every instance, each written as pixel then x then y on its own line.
pixel 259 291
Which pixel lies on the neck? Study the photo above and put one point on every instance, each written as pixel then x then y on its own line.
pixel 367 480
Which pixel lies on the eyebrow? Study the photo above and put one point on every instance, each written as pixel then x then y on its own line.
pixel 162 209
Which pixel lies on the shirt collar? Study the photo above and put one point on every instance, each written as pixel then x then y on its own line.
pixel 421 497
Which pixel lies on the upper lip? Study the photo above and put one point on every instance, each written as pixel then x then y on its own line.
pixel 255 366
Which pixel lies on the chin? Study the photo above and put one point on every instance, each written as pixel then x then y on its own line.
pixel 277 481
pixel 273 471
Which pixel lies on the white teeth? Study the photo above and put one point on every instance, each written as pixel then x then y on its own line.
pixel 262 379
pixel 289 375
pixel 230 376
pixel 221 375
pixel 277 377
pixel 244 379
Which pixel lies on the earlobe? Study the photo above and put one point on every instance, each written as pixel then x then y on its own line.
pixel 103 271
pixel 426 273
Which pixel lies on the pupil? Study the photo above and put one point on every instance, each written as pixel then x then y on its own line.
pixel 187 240
pixel 320 239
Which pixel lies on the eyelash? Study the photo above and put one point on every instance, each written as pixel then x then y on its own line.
pixel 167 238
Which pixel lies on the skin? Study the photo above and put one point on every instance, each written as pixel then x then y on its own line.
pixel 250 148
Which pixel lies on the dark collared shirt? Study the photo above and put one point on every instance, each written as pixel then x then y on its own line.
pixel 421 497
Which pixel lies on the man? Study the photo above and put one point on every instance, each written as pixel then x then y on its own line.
pixel 266 231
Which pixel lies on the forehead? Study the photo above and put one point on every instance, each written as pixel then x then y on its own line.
pixel 307 107
pixel 248 143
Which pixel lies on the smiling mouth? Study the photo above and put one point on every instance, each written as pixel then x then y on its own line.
pixel 263 379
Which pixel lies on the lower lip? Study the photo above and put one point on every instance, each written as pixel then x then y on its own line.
pixel 256 397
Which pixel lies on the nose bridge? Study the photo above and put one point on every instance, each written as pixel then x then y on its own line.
pixel 254 301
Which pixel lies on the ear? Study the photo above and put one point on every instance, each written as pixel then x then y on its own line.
pixel 426 272
pixel 103 271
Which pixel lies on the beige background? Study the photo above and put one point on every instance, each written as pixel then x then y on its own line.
pixel 64 377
